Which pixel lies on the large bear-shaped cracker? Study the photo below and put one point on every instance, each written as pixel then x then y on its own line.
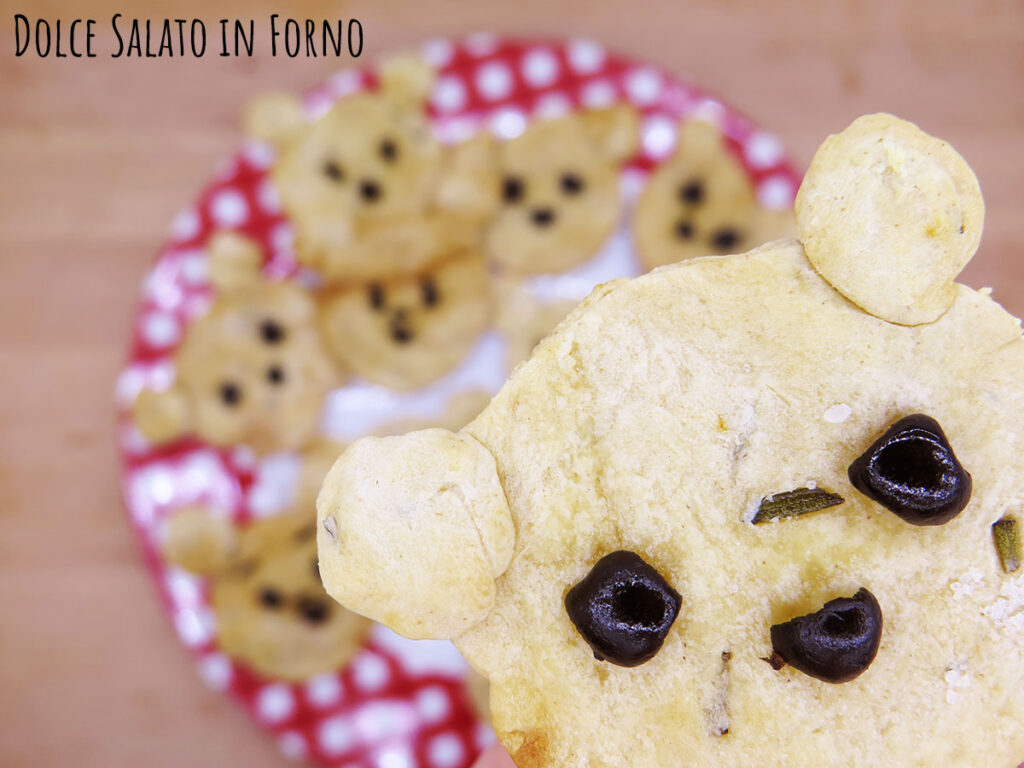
pixel 734 512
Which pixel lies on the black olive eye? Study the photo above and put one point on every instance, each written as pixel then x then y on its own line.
pixel 314 610
pixel 684 230
pixel 725 238
pixel 623 608
pixel 912 471
pixel 270 598
pixel 275 375
pixel 230 394
pixel 571 184
pixel 692 192
pixel 512 189
pixel 333 171
pixel 835 644
pixel 271 332
pixel 431 296
pixel 388 150
pixel 376 295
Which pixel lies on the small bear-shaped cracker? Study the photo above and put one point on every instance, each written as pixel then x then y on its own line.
pixel 271 609
pixel 559 189
pixel 252 370
pixel 369 189
pixel 723 516
pixel 409 330
pixel 701 201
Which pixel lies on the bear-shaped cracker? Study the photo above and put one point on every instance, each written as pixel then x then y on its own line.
pixel 406 331
pixel 559 189
pixel 368 188
pixel 701 201
pixel 252 370
pixel 735 512
pixel 271 609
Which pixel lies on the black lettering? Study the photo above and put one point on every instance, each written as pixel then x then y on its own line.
pixel 19 19
pixel 120 40
pixel 43 24
pixel 273 34
pixel 90 34
pixel 198 52
pixel 246 39
pixel 134 41
pixel 165 41
pixel 291 26
pixel 354 51
pixel 224 38
pixel 310 31
pixel 71 39
pixel 328 32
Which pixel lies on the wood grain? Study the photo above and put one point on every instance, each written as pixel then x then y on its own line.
pixel 98 154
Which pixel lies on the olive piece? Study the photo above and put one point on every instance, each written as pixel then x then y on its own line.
pixel 725 238
pixel 834 644
pixel 431 295
pixel 271 331
pixel 271 598
pixel 912 471
pixel 571 183
pixel 230 394
pixel 314 610
pixel 692 192
pixel 375 293
pixel 512 189
pixel 388 150
pixel 623 608
pixel 684 230
pixel 275 375
pixel 333 171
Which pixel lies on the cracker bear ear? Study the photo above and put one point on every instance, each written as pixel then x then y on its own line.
pixel 406 81
pixel 698 138
pixel 414 530
pixel 163 416
pixel 198 540
pixel 615 130
pixel 469 177
pixel 889 215
pixel 275 118
pixel 234 261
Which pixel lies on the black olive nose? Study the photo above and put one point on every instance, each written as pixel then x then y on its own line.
pixel 542 217
pixel 399 329
pixel 911 470
pixel 834 644
pixel 314 610
pixel 623 608
pixel 370 190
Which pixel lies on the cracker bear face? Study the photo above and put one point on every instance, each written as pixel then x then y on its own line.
pixel 252 370
pixel 700 202
pixel 559 190
pixel 408 331
pixel 742 509
pixel 271 608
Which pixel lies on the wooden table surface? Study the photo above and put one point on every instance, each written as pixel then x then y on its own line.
pixel 96 155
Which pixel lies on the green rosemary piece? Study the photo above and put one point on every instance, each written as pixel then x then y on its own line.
pixel 1006 535
pixel 795 503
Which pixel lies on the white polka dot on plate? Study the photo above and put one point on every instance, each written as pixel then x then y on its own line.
pixel 643 85
pixel 159 483
pixel 292 745
pixel 494 80
pixel 259 154
pixel 763 150
pixel 437 52
pixel 484 736
pixel 335 736
pixel 194 268
pixel 324 690
pixel 267 197
pixel 160 329
pixel 446 751
pixel 275 703
pixel 449 94
pixel 552 105
pixel 710 111
pixel 229 208
pixel 395 757
pixel 432 704
pixel 346 82
pixel 508 123
pixel 194 625
pixel 481 44
pixel 456 129
pixel 316 105
pixel 215 670
pixel 776 192
pixel 370 671
pixel 659 136
pixel 599 93
pixel 183 587
pixel 185 224
pixel 129 383
pixel 585 56
pixel 540 67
